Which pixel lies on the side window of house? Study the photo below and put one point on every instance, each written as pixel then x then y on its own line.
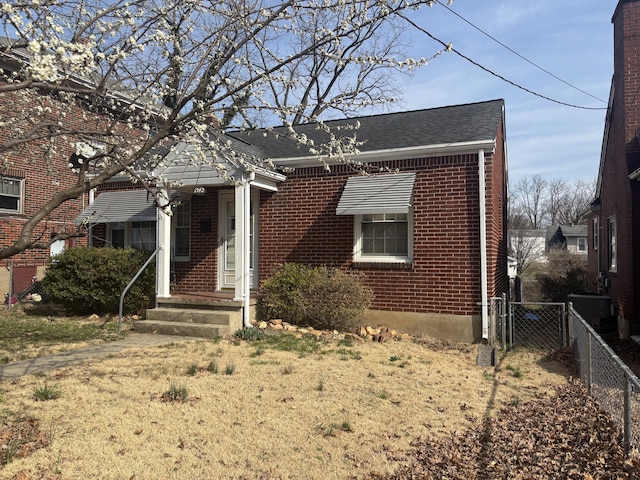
pixel 596 235
pixel 613 243
pixel 383 237
pixel 182 242
pixel 115 234
pixel 143 235
pixel 582 244
pixel 11 194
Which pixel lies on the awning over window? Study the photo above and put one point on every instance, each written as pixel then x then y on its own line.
pixel 391 193
pixel 126 206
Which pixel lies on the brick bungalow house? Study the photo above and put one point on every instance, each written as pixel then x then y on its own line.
pixel 614 222
pixel 427 230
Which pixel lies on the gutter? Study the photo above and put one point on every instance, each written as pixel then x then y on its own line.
pixel 389 154
pixel 483 244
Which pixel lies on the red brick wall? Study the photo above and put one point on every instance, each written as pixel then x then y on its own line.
pixel 298 224
pixel 496 194
pixel 44 164
pixel 200 274
pixel 42 179
pixel 619 195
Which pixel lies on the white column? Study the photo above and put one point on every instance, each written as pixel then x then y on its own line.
pixel 243 245
pixel 163 263
pixel 240 209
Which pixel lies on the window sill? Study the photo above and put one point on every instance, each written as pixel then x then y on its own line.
pixel 378 263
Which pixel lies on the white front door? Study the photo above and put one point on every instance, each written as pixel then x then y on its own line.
pixel 227 250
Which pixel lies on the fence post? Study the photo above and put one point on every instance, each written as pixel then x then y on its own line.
pixel 503 321
pixel 10 298
pixel 628 425
pixel 570 324
pixel 565 321
pixel 511 329
pixel 588 360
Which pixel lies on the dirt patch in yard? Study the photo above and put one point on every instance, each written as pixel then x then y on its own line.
pixel 325 409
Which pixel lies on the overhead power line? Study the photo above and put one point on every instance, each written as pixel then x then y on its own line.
pixel 517 54
pixel 449 48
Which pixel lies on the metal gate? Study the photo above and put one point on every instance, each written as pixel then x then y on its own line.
pixel 536 325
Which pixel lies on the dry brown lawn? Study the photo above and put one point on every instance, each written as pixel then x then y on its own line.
pixel 343 411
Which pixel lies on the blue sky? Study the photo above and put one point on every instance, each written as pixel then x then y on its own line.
pixel 573 39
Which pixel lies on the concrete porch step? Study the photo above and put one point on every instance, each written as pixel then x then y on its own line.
pixel 188 329
pixel 190 315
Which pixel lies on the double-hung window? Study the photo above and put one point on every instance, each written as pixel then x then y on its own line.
pixel 182 231
pixel 613 244
pixel 143 235
pixel 382 236
pixel 383 216
pixel 11 194
pixel 582 244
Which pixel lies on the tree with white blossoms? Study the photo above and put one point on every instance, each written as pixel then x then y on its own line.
pixel 148 73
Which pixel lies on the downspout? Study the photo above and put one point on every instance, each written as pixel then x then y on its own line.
pixel 246 294
pixel 483 245
pixel 92 197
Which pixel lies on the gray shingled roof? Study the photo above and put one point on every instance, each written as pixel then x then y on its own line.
pixel 445 125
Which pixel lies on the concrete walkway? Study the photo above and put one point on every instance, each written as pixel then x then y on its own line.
pixel 59 360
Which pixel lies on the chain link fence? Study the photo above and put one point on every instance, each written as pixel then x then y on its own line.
pixel 19 283
pixel 608 379
pixel 542 326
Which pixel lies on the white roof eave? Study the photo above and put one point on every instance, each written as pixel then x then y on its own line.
pixel 436 150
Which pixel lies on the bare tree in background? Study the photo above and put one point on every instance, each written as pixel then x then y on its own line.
pixel 156 69
pixel 537 203
pixel 528 199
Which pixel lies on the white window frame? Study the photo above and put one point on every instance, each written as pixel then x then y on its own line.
pixel 612 236
pixel 19 196
pixel 128 234
pixel 360 257
pixel 582 245
pixel 174 229
pixel 596 234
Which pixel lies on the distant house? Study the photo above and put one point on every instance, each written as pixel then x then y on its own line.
pixel 614 223
pixel 526 247
pixel 572 238
pixel 426 228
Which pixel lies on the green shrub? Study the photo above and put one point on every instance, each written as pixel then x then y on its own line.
pixel 283 292
pixel 322 297
pixel 567 273
pixel 91 280
pixel 249 334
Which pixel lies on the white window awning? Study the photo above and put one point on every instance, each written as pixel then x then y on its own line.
pixel 125 206
pixel 390 193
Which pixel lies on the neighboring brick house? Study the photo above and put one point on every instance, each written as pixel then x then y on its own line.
pixel 33 172
pixel 614 223
pixel 27 181
pixel 428 232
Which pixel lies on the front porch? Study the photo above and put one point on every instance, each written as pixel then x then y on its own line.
pixel 223 240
